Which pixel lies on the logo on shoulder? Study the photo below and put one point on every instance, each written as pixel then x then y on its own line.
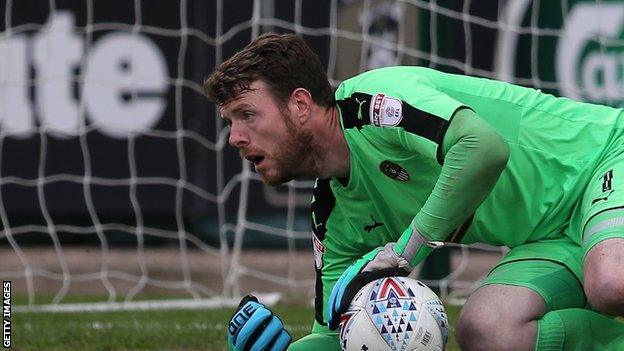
pixel 319 250
pixel 394 171
pixel 385 111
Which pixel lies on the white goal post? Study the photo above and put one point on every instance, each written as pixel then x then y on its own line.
pixel 118 189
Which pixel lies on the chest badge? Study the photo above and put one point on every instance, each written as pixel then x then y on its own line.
pixel 394 171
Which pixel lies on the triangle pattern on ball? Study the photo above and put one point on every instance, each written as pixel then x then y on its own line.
pixel 394 311
pixel 373 295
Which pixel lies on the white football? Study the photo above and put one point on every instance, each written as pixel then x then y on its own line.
pixel 394 314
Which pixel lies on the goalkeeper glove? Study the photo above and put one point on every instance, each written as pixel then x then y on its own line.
pixel 393 259
pixel 254 327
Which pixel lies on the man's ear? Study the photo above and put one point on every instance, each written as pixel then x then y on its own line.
pixel 302 102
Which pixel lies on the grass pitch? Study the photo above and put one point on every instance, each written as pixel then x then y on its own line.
pixel 148 330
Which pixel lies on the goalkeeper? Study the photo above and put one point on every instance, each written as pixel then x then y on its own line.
pixel 408 158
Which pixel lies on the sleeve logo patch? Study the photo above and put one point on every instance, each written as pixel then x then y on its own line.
pixel 319 250
pixel 385 111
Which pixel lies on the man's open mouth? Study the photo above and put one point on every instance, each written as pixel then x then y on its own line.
pixel 255 159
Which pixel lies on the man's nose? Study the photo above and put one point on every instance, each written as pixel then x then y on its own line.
pixel 237 138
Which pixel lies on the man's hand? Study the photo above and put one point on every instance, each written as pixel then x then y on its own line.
pixel 254 327
pixel 379 263
pixel 394 259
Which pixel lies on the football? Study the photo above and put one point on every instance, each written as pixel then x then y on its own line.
pixel 394 314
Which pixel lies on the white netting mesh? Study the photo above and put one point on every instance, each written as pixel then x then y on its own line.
pixel 79 133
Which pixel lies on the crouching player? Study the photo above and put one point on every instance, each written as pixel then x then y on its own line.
pixel 408 158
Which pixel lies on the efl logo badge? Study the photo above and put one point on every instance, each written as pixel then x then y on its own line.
pixel 319 250
pixel 385 111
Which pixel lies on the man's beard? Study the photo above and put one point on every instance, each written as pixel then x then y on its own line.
pixel 298 155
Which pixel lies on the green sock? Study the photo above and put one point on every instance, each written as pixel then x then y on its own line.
pixel 578 329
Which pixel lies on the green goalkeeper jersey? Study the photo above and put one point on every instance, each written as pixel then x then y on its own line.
pixel 395 122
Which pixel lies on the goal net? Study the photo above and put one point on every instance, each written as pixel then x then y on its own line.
pixel 116 182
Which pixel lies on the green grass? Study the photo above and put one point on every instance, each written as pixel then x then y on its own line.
pixel 147 330
pixel 42 299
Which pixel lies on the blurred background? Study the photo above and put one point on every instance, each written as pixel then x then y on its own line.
pixel 116 181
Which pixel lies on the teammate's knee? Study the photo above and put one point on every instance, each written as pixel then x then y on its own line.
pixel 605 292
pixel 492 331
pixel 604 281
pixel 470 331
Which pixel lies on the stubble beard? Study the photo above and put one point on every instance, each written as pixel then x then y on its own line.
pixel 299 155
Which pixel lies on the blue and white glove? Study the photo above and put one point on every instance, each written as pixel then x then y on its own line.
pixel 253 327
pixel 391 260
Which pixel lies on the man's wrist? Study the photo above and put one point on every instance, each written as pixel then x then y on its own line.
pixel 414 247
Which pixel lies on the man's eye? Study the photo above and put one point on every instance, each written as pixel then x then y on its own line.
pixel 247 115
